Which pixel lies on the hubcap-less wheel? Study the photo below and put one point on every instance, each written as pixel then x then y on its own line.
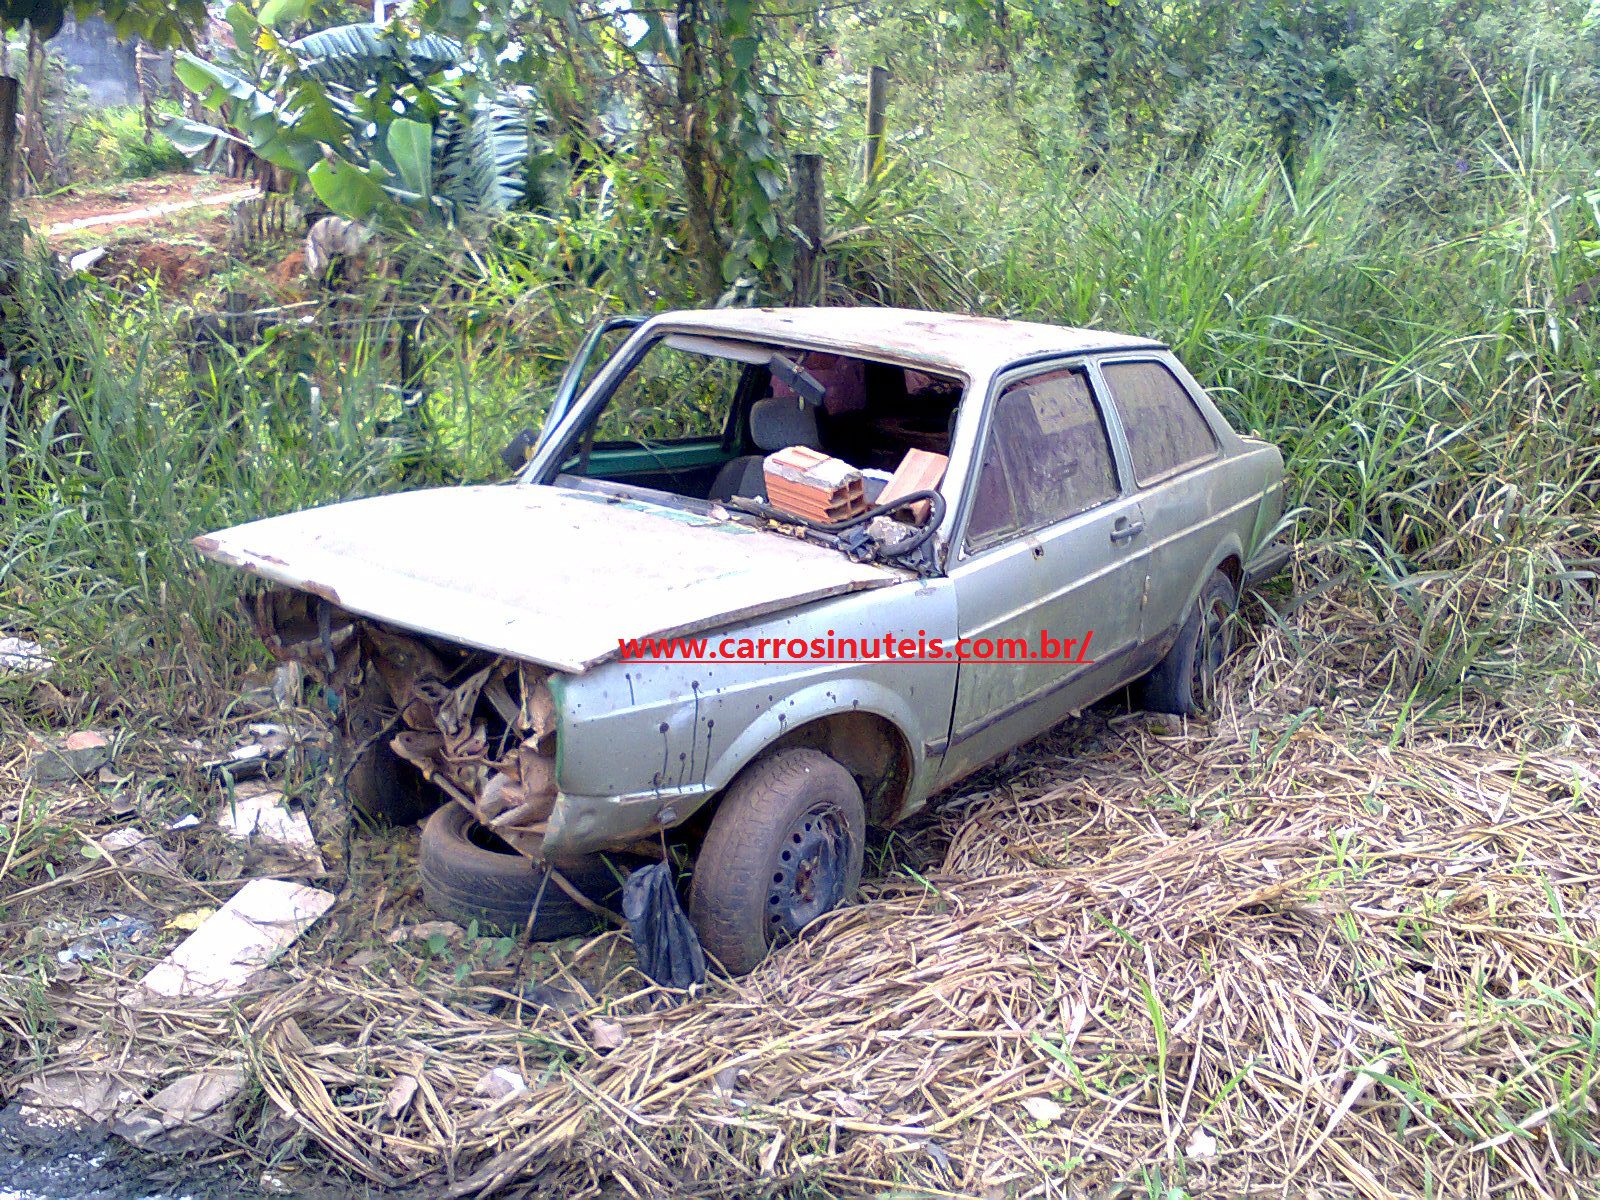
pixel 810 879
pixel 1185 681
pixel 784 847
pixel 1216 640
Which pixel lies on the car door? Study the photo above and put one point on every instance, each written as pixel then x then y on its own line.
pixel 1175 456
pixel 1050 559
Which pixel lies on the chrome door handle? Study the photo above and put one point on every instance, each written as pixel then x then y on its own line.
pixel 1125 530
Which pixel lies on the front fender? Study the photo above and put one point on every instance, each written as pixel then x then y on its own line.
pixel 642 746
pixel 815 702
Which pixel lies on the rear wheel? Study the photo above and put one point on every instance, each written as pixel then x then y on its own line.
pixel 784 847
pixel 1184 682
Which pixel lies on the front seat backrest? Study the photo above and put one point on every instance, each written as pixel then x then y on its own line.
pixel 774 424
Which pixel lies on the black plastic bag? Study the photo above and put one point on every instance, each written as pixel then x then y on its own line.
pixel 664 941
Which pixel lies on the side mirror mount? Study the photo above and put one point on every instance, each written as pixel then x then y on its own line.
pixel 800 381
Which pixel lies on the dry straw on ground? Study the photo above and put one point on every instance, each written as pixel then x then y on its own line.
pixel 1281 955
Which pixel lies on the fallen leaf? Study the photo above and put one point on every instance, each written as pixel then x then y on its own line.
pixel 190 921
pixel 182 1104
pixel 424 930
pixel 606 1035
pixel 1043 1109
pixel 399 1095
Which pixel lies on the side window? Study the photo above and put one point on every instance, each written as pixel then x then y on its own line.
pixel 1166 430
pixel 993 516
pixel 1048 449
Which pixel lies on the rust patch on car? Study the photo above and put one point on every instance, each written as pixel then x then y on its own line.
pixel 480 727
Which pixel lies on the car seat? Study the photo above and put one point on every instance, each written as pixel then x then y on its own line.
pixel 774 424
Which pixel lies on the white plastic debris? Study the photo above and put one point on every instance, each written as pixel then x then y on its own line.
pixel 183 1104
pixel 242 937
pixel 86 259
pixel 500 1083
pixel 264 814
pixel 1043 1109
pixel 19 656
pixel 255 757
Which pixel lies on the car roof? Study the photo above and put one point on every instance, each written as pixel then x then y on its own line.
pixel 951 342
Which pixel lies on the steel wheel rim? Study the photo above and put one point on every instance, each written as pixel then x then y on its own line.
pixel 808 876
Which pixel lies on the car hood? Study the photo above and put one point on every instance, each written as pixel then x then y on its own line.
pixel 537 572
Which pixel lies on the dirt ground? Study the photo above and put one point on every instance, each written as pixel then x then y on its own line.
pixel 174 229
pixel 131 202
pixel 1311 941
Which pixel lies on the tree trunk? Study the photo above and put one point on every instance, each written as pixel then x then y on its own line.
pixel 695 151
pixel 877 112
pixel 808 219
pixel 10 269
pixel 144 72
pixel 35 153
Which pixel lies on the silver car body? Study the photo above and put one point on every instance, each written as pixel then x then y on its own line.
pixel 559 572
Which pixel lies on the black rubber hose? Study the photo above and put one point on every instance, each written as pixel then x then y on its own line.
pixel 897 550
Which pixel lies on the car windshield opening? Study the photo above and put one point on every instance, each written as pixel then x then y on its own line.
pixel 815 433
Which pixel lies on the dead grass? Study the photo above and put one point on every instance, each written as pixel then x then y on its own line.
pixel 1325 946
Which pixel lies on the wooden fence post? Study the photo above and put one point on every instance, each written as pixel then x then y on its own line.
pixel 10 266
pixel 8 142
pixel 808 219
pixel 877 107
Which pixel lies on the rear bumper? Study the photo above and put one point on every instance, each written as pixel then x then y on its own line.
pixel 1267 562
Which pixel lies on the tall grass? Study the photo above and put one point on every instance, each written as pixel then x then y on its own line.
pixel 1434 396
pixel 1434 399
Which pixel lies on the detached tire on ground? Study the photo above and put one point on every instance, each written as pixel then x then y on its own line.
pixel 469 874
pixel 1183 681
pixel 784 847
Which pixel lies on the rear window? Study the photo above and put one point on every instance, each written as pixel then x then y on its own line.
pixel 1166 430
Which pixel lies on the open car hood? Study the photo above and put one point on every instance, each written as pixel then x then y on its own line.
pixel 537 572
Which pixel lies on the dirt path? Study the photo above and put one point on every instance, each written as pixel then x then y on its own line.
pixel 137 216
pixel 134 202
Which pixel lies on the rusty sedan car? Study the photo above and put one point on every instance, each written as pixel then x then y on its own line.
pixel 708 608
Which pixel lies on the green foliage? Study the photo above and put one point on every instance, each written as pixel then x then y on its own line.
pixel 383 123
pixel 159 22
pixel 714 87
pixel 114 137
pixel 1391 311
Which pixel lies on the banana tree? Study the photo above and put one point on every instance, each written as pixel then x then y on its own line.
pixel 384 124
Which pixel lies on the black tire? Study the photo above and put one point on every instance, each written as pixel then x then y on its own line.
pixel 469 874
pixel 1183 681
pixel 784 847
pixel 386 789
pixel 378 783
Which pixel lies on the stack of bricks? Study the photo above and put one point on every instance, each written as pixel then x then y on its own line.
pixel 810 484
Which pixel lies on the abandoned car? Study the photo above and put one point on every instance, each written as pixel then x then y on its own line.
pixel 764 579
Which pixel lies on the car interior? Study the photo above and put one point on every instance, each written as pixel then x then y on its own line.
pixel 697 417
